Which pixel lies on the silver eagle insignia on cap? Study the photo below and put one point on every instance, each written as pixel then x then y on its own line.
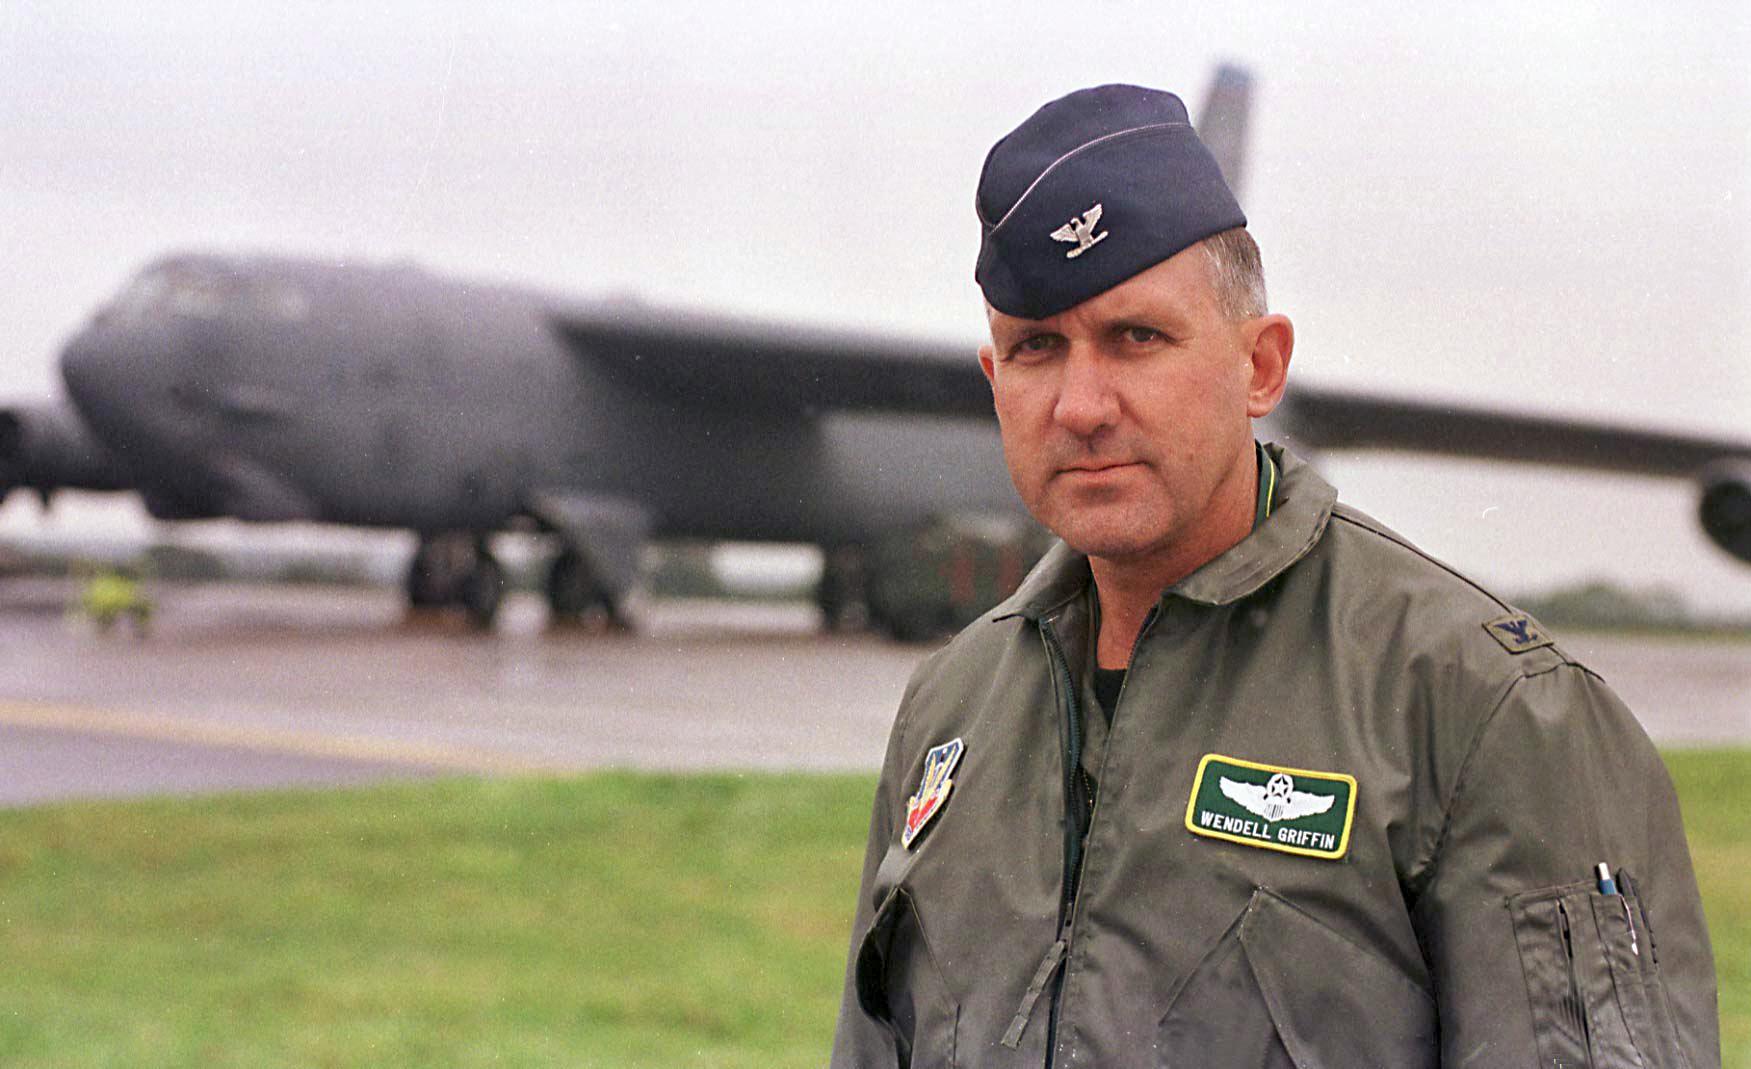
pixel 1078 231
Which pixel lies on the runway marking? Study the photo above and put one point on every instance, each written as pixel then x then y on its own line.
pixel 345 747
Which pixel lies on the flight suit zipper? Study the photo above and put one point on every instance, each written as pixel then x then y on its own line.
pixel 1078 812
pixel 1078 797
pixel 1079 802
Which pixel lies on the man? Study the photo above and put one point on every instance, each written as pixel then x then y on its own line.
pixel 1239 777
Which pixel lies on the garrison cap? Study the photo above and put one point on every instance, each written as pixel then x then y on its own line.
pixel 1091 189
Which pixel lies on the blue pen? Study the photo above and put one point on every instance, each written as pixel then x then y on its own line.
pixel 1608 886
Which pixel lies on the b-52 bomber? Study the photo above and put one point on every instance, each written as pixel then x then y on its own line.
pixel 272 389
pixel 275 390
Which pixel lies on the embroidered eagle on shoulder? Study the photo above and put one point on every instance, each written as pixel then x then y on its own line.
pixel 1517 632
pixel 1277 799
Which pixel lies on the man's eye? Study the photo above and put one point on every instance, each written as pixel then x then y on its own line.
pixel 1035 345
pixel 1142 335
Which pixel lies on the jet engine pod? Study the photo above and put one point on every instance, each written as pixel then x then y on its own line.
pixel 11 450
pixel 45 447
pixel 1726 506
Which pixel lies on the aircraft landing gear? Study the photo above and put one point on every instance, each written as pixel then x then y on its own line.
pixel 842 595
pixel 456 569
pixel 575 596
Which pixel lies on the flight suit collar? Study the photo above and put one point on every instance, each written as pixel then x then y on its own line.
pixel 1302 507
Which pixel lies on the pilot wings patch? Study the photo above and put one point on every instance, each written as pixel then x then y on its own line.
pixel 1293 810
pixel 1277 799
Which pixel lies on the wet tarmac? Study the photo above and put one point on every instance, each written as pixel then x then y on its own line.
pixel 329 682
pixel 240 687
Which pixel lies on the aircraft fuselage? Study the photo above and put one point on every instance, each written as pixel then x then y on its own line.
pixel 273 389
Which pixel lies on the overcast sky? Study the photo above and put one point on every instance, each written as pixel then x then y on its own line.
pixel 1544 209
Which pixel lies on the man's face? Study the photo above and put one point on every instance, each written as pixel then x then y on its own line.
pixel 1126 419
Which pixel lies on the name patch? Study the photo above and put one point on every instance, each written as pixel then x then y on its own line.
pixel 1294 810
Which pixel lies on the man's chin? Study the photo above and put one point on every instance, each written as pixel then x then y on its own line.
pixel 1114 543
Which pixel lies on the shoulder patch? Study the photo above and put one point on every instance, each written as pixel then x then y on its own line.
pixel 939 765
pixel 1517 633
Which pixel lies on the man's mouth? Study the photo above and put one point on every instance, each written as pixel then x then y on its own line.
pixel 1097 471
pixel 1096 467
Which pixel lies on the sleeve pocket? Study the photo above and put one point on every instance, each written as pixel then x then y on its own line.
pixel 1594 999
pixel 1282 989
pixel 900 985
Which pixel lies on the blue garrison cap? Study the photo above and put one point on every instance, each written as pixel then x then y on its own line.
pixel 1091 189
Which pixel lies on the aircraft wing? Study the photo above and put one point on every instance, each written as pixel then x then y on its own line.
pixel 708 359
pixel 713 360
pixel 1326 419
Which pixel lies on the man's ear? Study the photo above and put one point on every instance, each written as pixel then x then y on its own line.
pixel 1272 339
pixel 987 360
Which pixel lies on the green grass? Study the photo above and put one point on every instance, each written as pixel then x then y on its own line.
pixel 1714 787
pixel 610 921
pixel 614 920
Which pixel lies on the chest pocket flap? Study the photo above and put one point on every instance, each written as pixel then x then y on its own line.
pixel 1283 990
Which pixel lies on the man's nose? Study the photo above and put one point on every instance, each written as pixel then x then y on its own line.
pixel 1086 401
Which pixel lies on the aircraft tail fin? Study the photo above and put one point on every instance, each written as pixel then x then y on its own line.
pixel 1223 121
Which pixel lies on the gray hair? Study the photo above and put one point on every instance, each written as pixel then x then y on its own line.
pixel 1236 272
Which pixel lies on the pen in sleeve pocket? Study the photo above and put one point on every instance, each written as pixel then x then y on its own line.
pixel 1608 886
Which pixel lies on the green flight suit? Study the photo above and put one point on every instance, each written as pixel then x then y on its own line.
pixel 1454 919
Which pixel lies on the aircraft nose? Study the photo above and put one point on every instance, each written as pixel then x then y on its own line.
pixel 97 375
pixel 121 381
pixel 86 369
